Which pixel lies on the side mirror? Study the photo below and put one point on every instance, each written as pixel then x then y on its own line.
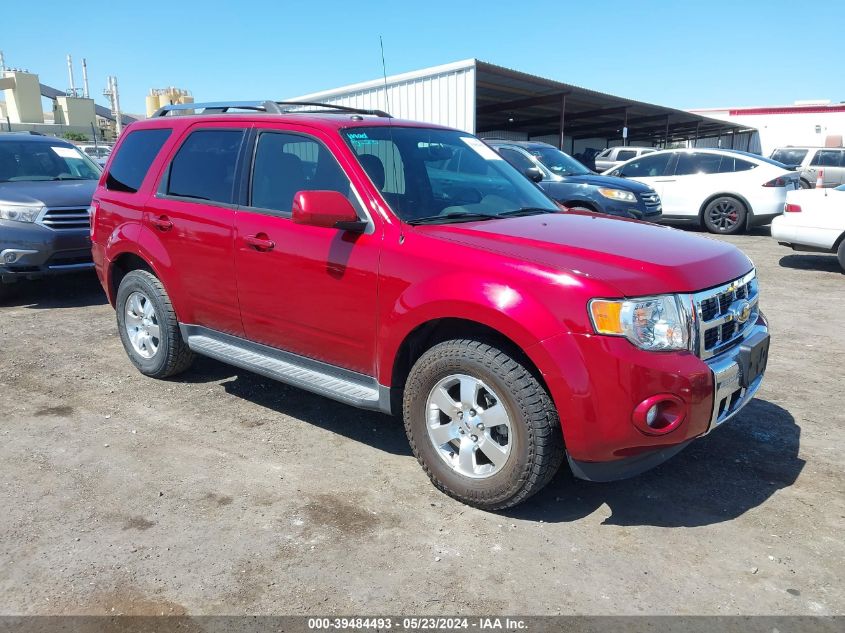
pixel 329 209
pixel 534 174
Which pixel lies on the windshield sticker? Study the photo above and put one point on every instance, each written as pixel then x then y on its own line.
pixel 64 152
pixel 485 151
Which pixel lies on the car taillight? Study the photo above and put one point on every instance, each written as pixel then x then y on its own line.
pixel 792 208
pixel 780 181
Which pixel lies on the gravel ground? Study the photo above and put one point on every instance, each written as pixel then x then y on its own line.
pixel 220 492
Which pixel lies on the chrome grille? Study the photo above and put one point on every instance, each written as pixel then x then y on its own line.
pixel 651 201
pixel 719 314
pixel 65 218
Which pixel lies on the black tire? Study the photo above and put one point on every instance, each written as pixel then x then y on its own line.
pixel 172 355
pixel 840 254
pixel 537 450
pixel 805 184
pixel 725 215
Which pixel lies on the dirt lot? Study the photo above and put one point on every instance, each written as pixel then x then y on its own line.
pixel 220 492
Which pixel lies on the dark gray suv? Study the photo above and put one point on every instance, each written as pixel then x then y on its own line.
pixel 46 185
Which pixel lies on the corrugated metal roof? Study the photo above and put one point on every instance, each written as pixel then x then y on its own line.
pixel 505 99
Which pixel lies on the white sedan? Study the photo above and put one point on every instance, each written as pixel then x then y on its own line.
pixel 726 191
pixel 814 220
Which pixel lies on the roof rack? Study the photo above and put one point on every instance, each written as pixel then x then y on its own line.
pixel 268 107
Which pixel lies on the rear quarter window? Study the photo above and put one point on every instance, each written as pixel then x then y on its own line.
pixel 133 159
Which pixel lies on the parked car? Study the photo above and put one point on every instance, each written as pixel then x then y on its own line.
pixel 98 153
pixel 613 156
pixel 813 221
pixel 566 180
pixel 726 191
pixel 405 267
pixel 810 160
pixel 46 186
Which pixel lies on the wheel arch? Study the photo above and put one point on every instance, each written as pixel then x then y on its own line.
pixel 726 194
pixel 433 331
pixel 123 264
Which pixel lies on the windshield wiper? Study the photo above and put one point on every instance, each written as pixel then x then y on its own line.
pixel 452 217
pixel 524 211
pixel 71 178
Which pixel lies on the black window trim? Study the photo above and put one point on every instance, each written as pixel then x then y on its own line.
pixel 249 165
pixel 164 182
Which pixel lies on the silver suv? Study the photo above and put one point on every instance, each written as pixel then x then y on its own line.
pixel 613 156
pixel 810 160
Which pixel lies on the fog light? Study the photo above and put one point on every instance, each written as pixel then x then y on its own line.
pixel 659 414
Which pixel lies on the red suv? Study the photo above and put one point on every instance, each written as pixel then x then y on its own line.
pixel 402 266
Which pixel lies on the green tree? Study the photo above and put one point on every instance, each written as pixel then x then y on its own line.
pixel 74 136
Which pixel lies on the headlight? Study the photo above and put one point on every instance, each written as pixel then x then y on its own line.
pixel 20 213
pixel 650 323
pixel 618 194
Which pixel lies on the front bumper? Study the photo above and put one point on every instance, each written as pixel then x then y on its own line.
pixel 29 251
pixel 602 442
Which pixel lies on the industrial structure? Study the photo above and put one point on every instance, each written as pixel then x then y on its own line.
pixel 160 97
pixel 494 101
pixel 73 108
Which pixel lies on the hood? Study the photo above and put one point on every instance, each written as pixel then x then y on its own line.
pixel 50 193
pixel 598 180
pixel 635 257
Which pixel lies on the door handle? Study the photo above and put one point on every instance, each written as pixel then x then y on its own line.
pixel 162 223
pixel 260 242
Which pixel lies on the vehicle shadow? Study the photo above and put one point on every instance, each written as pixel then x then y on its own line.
pixel 382 432
pixel 716 478
pixel 66 291
pixel 822 262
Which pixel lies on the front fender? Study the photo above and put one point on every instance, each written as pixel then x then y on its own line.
pixel 512 312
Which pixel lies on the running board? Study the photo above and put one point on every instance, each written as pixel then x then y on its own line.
pixel 321 378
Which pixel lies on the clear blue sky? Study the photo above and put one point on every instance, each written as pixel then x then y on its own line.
pixel 682 54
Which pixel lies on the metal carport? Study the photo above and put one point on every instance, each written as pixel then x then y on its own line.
pixel 492 100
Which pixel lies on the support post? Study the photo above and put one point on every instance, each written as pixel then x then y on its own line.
pixel 666 137
pixel 562 119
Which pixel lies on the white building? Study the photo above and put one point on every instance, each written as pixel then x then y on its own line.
pixel 812 124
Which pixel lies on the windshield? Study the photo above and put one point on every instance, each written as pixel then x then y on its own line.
pixel 789 156
pixel 557 162
pixel 436 176
pixel 37 160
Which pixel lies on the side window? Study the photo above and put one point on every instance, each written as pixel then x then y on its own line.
pixel 735 164
pixel 647 166
pixel 626 154
pixel 133 159
pixel 692 163
pixel 204 167
pixel 605 153
pixel 646 151
pixel 286 164
pixel 516 158
pixel 826 158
